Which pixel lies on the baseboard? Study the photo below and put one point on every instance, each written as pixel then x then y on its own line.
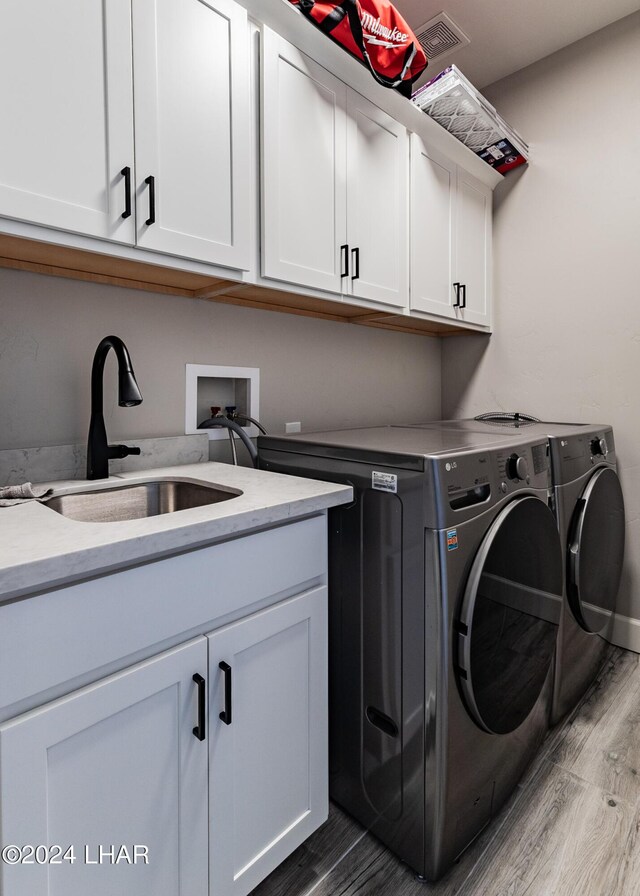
pixel 625 632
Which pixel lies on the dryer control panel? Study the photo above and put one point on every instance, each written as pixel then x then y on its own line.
pixel 574 455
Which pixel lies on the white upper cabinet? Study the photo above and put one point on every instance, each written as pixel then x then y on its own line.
pixel 132 121
pixel 377 203
pixel 192 129
pixel 450 238
pixel 433 195
pixel 473 247
pixel 303 167
pixel 67 155
pixel 334 182
pixel 66 109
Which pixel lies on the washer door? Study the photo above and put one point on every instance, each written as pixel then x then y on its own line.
pixel 595 551
pixel 510 615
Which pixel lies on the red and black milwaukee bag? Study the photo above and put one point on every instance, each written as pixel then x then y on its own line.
pixel 375 33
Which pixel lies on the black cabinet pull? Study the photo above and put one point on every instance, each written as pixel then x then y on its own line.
pixel 151 181
pixel 200 730
pixel 126 173
pixel 344 260
pixel 225 715
pixel 456 286
pixel 463 296
pixel 356 256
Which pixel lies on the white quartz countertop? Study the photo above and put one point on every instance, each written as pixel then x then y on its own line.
pixel 40 549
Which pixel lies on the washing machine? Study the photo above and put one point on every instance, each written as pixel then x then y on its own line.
pixel 445 602
pixel 589 508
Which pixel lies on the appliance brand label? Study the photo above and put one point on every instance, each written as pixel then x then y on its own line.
pixel 452 540
pixel 384 482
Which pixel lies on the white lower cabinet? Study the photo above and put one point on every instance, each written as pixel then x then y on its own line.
pixel 113 765
pixel 194 772
pixel 268 753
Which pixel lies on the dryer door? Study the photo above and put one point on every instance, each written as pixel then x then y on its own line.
pixel 510 615
pixel 596 550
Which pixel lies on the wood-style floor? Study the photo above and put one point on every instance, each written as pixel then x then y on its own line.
pixel 572 828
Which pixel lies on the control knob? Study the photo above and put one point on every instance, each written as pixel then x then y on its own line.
pixel 599 446
pixel 517 467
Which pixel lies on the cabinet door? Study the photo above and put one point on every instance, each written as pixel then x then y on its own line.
pixel 66 108
pixel 114 764
pixel 268 767
pixel 303 168
pixel 433 201
pixel 192 128
pixel 377 203
pixel 473 247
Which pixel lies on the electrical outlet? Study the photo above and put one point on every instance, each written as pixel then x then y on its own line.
pixel 293 427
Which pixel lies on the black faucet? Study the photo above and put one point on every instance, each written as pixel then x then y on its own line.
pixel 99 452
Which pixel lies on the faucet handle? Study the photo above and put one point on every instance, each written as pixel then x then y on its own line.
pixel 120 451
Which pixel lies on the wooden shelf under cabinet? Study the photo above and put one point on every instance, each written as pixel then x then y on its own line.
pixel 23 254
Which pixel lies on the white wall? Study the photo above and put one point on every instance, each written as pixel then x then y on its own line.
pixel 566 344
pixel 323 373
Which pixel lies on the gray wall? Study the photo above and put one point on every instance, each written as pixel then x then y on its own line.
pixel 322 373
pixel 567 260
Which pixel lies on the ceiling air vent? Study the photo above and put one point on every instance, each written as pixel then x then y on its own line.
pixel 441 35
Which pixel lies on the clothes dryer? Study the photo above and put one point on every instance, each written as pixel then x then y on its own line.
pixel 445 601
pixel 589 509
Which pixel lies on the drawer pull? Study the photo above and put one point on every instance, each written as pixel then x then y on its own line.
pixel 151 183
pixel 225 715
pixel 344 259
pixel 126 173
pixel 356 256
pixel 200 730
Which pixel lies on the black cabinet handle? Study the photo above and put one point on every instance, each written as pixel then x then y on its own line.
pixel 151 181
pixel 463 296
pixel 356 256
pixel 200 730
pixel 126 173
pixel 344 260
pixel 225 715
pixel 456 286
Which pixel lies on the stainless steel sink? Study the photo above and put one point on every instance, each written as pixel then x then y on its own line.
pixel 138 500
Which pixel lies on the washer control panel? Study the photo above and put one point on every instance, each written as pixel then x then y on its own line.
pixel 516 467
pixel 468 479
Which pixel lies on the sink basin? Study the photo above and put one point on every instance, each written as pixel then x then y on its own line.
pixel 138 500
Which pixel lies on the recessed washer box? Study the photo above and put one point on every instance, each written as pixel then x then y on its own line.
pixel 209 385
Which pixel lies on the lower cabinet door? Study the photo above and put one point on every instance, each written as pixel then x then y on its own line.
pixel 104 791
pixel 268 740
